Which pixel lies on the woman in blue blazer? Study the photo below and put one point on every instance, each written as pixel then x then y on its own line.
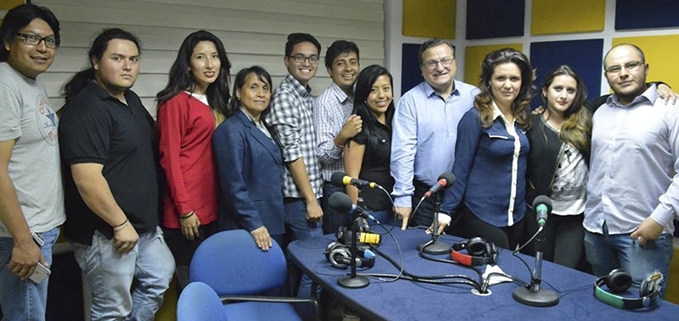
pixel 249 162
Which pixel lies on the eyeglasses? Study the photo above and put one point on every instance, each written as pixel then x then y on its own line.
pixel 34 40
pixel 445 62
pixel 299 58
pixel 631 66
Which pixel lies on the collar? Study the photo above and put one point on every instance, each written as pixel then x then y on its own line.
pixel 648 96
pixel 429 90
pixel 497 113
pixel 339 93
pixel 102 94
pixel 252 120
pixel 16 72
pixel 302 90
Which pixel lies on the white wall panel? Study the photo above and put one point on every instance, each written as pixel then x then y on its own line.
pixel 253 32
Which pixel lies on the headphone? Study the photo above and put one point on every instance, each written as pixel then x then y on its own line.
pixel 618 281
pixel 480 252
pixel 339 256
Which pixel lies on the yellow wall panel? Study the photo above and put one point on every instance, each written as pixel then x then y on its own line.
pixel 661 55
pixel 429 18
pixel 474 56
pixel 9 4
pixel 557 16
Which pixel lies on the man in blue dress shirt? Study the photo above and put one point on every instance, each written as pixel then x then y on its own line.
pixel 425 130
pixel 633 189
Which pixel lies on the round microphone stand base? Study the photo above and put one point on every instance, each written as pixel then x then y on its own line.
pixel 435 248
pixel 356 282
pixel 539 298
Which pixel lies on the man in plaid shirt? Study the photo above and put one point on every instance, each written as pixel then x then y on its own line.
pixel 334 123
pixel 292 117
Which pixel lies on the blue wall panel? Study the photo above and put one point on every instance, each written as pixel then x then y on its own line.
pixel 493 18
pixel 584 56
pixel 637 14
pixel 410 68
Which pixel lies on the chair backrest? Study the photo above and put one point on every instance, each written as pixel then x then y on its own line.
pixel 231 263
pixel 199 302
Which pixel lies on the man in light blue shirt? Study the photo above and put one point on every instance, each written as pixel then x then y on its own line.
pixel 425 130
pixel 633 189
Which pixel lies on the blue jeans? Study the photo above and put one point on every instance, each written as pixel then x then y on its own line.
pixel 23 299
pixel 606 252
pixel 110 274
pixel 300 229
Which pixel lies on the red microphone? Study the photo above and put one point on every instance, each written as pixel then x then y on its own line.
pixel 445 180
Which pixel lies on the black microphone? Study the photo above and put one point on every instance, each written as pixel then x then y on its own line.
pixel 342 179
pixel 445 180
pixel 542 205
pixel 341 203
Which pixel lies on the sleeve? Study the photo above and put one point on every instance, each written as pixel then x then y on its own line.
pixel 468 134
pixel 229 151
pixel 361 138
pixel 10 109
pixel 325 124
pixel 173 122
pixel 668 208
pixel 85 135
pixel 285 118
pixel 403 148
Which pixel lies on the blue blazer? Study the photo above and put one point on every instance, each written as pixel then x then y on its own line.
pixel 250 172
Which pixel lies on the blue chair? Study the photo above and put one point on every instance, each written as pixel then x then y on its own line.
pixel 240 273
pixel 199 302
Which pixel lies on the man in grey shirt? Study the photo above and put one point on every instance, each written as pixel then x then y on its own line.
pixel 31 193
pixel 633 189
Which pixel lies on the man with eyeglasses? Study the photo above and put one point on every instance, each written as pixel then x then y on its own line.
pixel 31 192
pixel 425 130
pixel 292 117
pixel 633 188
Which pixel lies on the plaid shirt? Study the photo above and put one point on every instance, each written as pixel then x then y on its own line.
pixel 292 116
pixel 331 110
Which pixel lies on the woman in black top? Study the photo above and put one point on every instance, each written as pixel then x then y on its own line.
pixel 558 164
pixel 367 155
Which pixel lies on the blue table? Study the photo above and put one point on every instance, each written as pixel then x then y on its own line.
pixel 408 301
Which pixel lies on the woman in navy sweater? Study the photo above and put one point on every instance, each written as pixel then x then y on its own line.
pixel 488 197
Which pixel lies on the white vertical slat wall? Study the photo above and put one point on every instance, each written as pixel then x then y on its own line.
pixel 253 32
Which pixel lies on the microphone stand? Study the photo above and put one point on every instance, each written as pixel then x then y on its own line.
pixel 352 280
pixel 435 247
pixel 534 295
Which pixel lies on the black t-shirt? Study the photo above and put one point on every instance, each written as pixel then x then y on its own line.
pixel 97 128
pixel 375 166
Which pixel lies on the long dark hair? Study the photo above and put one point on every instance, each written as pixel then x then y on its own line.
pixel 99 46
pixel 364 84
pixel 520 107
pixel 577 126
pixel 180 78
pixel 241 77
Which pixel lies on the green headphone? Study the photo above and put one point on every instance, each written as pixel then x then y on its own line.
pixel 618 281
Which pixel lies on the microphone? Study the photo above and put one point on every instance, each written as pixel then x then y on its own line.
pixel 341 203
pixel 342 179
pixel 542 205
pixel 445 180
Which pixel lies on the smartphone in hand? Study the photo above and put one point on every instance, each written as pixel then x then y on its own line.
pixel 40 274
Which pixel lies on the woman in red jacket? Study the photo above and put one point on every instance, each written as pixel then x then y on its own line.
pixel 190 107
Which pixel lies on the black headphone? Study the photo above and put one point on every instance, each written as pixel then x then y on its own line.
pixel 339 255
pixel 480 252
pixel 618 281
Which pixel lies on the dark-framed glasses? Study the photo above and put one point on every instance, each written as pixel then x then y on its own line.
pixel 34 40
pixel 299 58
pixel 445 62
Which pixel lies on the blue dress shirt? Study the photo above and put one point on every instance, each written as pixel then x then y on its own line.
pixel 490 170
pixel 635 152
pixel 424 132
